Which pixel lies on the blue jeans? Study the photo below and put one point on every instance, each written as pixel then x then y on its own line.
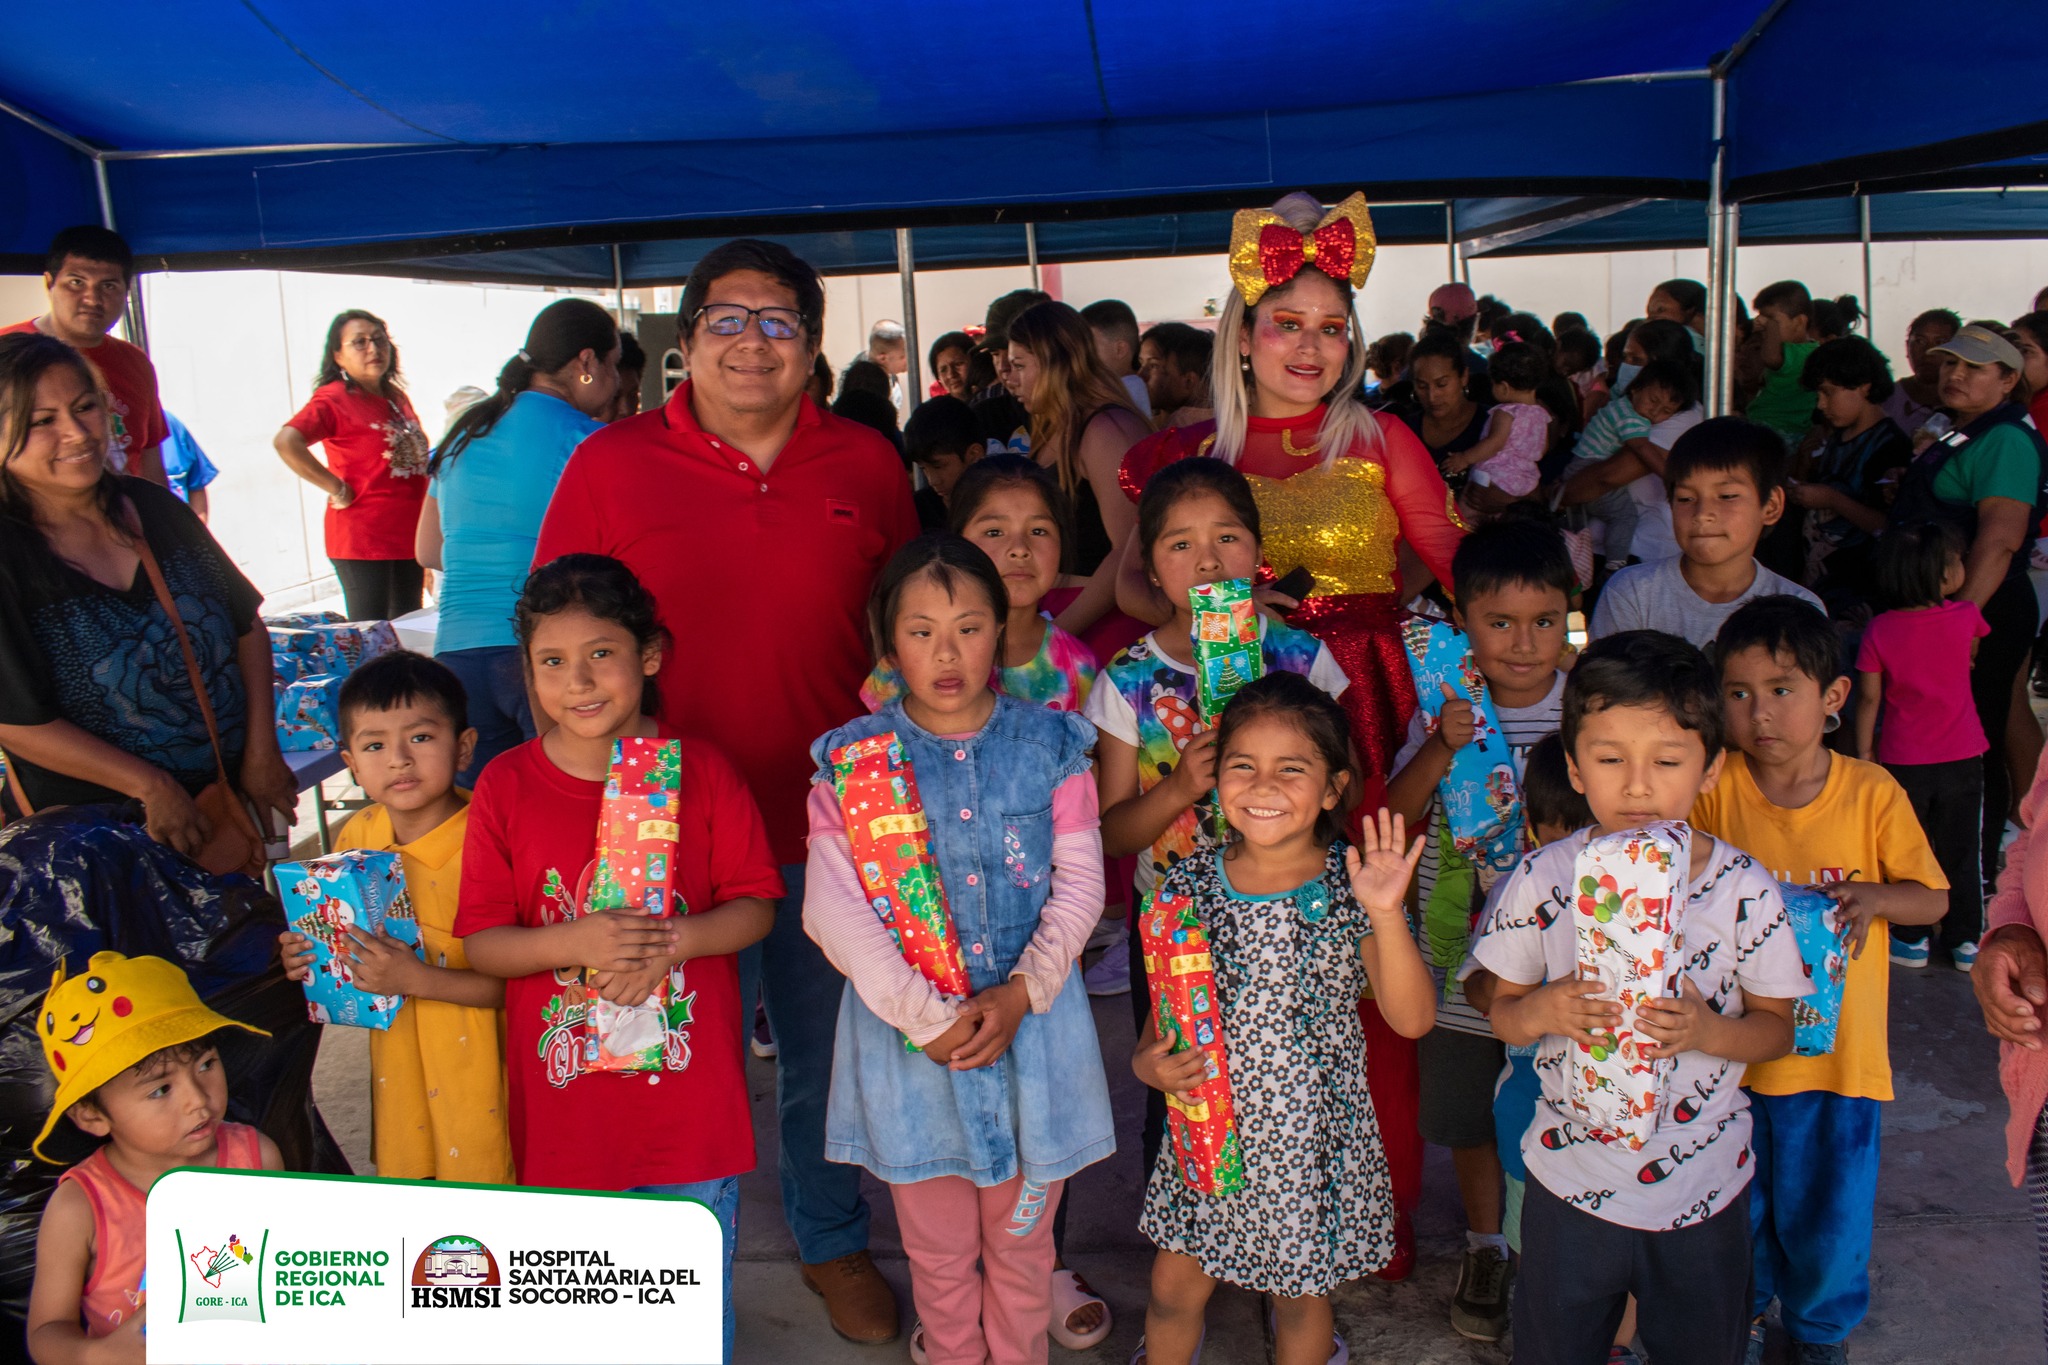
pixel 821 1200
pixel 1813 1202
pixel 495 680
pixel 723 1197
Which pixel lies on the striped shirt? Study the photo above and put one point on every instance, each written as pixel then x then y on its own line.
pixel 1521 727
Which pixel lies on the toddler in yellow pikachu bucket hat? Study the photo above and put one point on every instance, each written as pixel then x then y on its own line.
pixel 128 1042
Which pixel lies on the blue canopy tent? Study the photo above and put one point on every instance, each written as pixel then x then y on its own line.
pixel 223 133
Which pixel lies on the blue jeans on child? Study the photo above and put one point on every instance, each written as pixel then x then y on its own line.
pixel 495 681
pixel 1812 1205
pixel 723 1196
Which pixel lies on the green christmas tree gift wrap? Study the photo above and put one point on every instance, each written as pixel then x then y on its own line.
pixel 1227 652
pixel 892 851
pixel 637 835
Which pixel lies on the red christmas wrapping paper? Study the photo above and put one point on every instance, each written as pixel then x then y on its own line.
pixel 892 851
pixel 636 849
pixel 1182 979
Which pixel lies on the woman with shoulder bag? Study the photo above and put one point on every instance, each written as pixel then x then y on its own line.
pixel 130 645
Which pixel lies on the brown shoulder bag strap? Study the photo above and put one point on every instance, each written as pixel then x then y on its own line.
pixel 163 597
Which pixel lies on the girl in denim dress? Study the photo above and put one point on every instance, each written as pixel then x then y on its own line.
pixel 977 1131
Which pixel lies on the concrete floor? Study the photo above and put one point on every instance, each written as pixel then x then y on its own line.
pixel 1953 1270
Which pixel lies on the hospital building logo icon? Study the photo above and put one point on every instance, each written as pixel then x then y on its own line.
pixel 220 1277
pixel 455 1272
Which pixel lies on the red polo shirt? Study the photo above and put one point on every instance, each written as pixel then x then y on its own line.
pixel 131 383
pixel 762 577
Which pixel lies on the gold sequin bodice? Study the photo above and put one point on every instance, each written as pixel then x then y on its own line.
pixel 1338 523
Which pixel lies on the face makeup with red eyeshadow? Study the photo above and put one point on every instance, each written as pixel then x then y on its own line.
pixel 1298 339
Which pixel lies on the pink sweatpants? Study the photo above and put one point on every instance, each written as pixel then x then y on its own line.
pixel 995 1313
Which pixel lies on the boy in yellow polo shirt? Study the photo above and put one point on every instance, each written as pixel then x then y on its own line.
pixel 438 1073
pixel 1817 818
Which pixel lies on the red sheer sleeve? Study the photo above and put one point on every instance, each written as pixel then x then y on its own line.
pixel 1417 491
pixel 1158 450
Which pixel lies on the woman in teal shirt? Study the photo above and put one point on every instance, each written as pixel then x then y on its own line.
pixel 492 478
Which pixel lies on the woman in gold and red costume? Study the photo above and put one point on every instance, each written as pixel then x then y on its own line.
pixel 1341 490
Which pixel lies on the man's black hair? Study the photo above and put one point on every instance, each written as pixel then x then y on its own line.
pixel 1645 668
pixel 402 678
pixel 772 259
pixel 90 242
pixel 1788 626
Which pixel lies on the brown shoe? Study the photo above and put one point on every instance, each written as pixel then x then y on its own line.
pixel 858 1300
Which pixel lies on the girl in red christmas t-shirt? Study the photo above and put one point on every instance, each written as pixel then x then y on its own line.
pixel 592 644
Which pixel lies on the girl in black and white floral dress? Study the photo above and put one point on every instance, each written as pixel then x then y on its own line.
pixel 1298 925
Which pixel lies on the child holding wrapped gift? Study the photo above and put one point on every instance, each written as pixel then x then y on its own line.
pixel 1012 509
pixel 1643 731
pixel 1823 819
pixel 1298 925
pixel 1513 582
pixel 592 643
pixel 977 1132
pixel 437 1080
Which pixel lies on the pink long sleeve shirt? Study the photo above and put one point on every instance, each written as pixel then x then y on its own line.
pixel 837 915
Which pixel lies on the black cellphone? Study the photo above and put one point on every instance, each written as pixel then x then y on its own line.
pixel 1298 584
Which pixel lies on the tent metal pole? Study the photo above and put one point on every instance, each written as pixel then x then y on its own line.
pixel 1869 302
pixel 1031 252
pixel 1719 271
pixel 1451 239
pixel 619 283
pixel 133 325
pixel 906 266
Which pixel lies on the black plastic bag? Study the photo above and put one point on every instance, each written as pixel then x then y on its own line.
pixel 81 879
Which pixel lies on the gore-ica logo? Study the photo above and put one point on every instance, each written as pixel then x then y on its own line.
pixel 455 1272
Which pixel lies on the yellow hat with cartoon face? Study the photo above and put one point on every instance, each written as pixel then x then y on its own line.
pixel 96 1026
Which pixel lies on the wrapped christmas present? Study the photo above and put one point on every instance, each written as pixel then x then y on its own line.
pixel 1480 794
pixel 309 714
pixel 1821 931
pixel 1630 888
pixel 636 853
pixel 1182 979
pixel 326 897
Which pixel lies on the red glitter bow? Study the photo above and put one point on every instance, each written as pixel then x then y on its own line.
pixel 1266 252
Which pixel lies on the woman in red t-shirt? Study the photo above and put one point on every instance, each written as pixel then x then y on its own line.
pixel 375 477
pixel 593 644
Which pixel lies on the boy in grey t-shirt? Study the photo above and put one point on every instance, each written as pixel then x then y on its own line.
pixel 1725 482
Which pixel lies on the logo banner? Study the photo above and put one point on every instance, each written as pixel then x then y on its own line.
pixel 308 1270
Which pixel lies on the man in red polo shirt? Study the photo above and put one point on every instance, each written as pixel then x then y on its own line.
pixel 86 276
pixel 759 523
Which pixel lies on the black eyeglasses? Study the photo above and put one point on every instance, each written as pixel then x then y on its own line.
pixel 730 319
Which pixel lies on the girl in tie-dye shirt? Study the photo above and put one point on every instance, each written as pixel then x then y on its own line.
pixel 1011 508
pixel 1155 761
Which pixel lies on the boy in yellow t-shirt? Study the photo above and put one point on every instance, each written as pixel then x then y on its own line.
pixel 1813 817
pixel 437 1075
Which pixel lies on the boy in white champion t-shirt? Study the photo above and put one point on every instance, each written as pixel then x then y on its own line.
pixel 1669 1224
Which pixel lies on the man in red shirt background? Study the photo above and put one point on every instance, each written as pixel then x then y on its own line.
pixel 86 276
pixel 760 523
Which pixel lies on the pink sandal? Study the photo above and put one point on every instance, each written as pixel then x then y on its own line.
pixel 1070 1293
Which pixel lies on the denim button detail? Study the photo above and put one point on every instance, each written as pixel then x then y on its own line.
pixel 973 880
pixel 960 754
pixel 977 950
pixel 966 814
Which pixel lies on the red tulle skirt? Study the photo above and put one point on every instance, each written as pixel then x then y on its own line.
pixel 1363 632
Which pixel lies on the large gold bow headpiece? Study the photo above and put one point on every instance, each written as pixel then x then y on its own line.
pixel 1266 253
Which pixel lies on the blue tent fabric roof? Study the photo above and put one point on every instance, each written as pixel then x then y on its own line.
pixel 517 126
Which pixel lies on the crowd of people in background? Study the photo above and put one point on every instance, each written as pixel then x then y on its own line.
pixel 1812 628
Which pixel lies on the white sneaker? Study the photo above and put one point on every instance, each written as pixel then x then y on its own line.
pixel 1111 974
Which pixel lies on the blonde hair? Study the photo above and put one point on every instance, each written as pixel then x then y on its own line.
pixel 1346 420
pixel 1073 386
